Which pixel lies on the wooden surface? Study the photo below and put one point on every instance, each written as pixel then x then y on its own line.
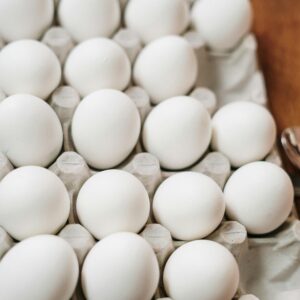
pixel 277 27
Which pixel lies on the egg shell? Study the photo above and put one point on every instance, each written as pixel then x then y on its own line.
pixel 201 270
pixel 177 132
pixel 28 66
pixel 189 204
pixel 260 196
pixel 121 266
pixel 105 128
pixel 248 297
pixel 97 18
pixel 113 201
pixel 156 18
pixel 25 19
pixel 165 68
pixel 96 64
pixel 222 23
pixel 39 268
pixel 244 132
pixel 33 201
pixel 30 131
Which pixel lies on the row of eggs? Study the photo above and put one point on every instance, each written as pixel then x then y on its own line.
pixel 165 68
pixel 106 127
pixel 189 204
pixel 221 27
pixel 114 205
pixel 120 266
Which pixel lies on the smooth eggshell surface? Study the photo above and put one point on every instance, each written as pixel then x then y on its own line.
pixel 201 270
pixel 105 128
pixel 189 204
pixel 113 201
pixel 156 18
pixel 260 196
pixel 30 131
pixel 30 67
pixel 121 266
pixel 244 132
pixel 28 19
pixel 43 267
pixel 33 201
pixel 165 68
pixel 222 23
pixel 97 17
pixel 177 132
pixel 96 64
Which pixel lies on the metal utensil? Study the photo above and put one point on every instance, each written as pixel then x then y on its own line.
pixel 290 140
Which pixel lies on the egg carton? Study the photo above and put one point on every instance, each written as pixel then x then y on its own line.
pixel 268 264
pixel 284 243
pixel 233 76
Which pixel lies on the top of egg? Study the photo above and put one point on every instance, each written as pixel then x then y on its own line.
pixel 156 18
pixel 39 268
pixel 97 18
pixel 222 23
pixel 127 266
pixel 28 19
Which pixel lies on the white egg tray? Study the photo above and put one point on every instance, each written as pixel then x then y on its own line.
pixel 269 263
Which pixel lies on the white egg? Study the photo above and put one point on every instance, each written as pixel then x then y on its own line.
pixel 249 297
pixel 222 23
pixel 156 18
pixel 244 132
pixel 201 270
pixel 33 200
pixel 96 64
pixel 121 266
pixel 28 19
pixel 177 132
pixel 88 19
pixel 43 267
pixel 105 128
pixel 29 66
pixel 260 196
pixel 189 204
pixel 166 67
pixel 113 201
pixel 30 131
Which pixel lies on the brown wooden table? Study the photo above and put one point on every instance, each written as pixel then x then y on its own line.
pixel 277 27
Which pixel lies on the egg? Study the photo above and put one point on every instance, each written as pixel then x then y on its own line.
pixel 156 18
pixel 30 67
pixel 189 204
pixel 113 201
pixel 105 128
pixel 33 201
pixel 28 19
pixel 201 270
pixel 260 196
pixel 222 23
pixel 165 68
pixel 96 64
pixel 177 132
pixel 30 131
pixel 39 268
pixel 249 297
pixel 121 266
pixel 97 18
pixel 244 132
